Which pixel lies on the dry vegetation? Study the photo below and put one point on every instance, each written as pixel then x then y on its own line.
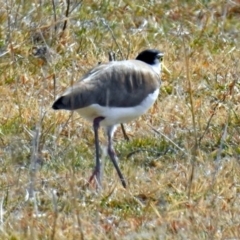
pixel 182 162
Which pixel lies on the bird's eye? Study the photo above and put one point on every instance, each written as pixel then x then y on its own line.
pixel 160 57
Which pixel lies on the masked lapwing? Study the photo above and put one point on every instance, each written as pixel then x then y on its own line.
pixel 114 93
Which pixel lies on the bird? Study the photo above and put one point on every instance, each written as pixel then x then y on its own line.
pixel 111 94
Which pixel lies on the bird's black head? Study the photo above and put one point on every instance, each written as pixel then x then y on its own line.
pixel 150 56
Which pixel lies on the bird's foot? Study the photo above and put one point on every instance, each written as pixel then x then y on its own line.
pixel 96 175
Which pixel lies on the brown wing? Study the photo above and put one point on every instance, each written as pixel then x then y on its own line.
pixel 116 84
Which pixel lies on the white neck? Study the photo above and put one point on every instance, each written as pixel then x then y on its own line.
pixel 157 68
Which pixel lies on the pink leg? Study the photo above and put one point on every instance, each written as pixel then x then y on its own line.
pixel 97 170
pixel 113 156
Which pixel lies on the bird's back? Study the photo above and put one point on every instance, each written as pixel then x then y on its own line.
pixel 115 84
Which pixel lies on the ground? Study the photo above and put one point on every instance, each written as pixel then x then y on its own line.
pixel 182 160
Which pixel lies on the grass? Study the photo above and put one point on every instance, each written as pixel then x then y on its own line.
pixel 182 162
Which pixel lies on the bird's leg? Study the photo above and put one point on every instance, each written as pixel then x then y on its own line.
pixel 97 170
pixel 112 154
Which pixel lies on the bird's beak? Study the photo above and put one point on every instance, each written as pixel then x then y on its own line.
pixel 165 69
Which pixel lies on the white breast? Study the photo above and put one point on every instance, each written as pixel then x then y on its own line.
pixel 116 115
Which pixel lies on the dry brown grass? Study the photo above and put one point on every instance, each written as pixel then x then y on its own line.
pixel 182 162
